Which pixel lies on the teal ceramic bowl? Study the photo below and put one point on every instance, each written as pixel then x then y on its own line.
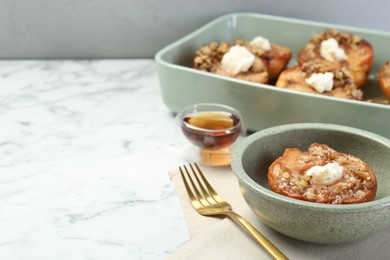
pixel 263 106
pixel 309 221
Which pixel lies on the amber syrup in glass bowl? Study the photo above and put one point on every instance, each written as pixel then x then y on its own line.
pixel 212 130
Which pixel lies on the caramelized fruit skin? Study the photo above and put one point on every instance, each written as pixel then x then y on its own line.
pixel 267 66
pixel 286 176
pixel 384 79
pixel 295 79
pixel 359 54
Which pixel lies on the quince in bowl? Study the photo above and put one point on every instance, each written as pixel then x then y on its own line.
pixel 306 220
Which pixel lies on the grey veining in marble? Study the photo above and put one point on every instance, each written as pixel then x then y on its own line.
pixel 85 147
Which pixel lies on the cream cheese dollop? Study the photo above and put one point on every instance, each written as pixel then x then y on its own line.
pixel 331 51
pixel 260 42
pixel 237 59
pixel 325 175
pixel 321 82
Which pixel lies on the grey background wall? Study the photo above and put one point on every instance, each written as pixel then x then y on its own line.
pixel 138 28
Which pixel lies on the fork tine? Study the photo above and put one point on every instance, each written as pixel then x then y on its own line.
pixel 199 196
pixel 207 195
pixel 221 208
pixel 212 192
pixel 194 201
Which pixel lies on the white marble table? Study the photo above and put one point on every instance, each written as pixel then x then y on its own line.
pixel 85 147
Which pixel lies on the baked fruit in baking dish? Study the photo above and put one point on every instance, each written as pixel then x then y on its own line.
pixel 257 60
pixel 275 57
pixel 251 68
pixel 384 79
pixel 340 49
pixel 322 175
pixel 320 78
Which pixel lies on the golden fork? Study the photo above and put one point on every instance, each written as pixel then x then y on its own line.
pixel 208 203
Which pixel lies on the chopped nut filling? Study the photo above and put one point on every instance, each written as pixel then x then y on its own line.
pixel 287 176
pixel 209 56
pixel 346 39
pixel 342 78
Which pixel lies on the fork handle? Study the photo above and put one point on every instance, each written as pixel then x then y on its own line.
pixel 262 240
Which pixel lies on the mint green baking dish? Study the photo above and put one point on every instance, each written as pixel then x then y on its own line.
pixel 261 105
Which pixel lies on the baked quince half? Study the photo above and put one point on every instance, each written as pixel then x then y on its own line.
pixel 322 175
pixel 340 49
pixel 231 61
pixel 257 60
pixel 384 79
pixel 275 57
pixel 318 78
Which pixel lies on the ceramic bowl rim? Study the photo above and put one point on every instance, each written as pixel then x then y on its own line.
pixel 240 173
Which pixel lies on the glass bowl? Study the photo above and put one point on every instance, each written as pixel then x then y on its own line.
pixel 207 133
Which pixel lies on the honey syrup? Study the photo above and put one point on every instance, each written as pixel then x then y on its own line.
pixel 211 130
